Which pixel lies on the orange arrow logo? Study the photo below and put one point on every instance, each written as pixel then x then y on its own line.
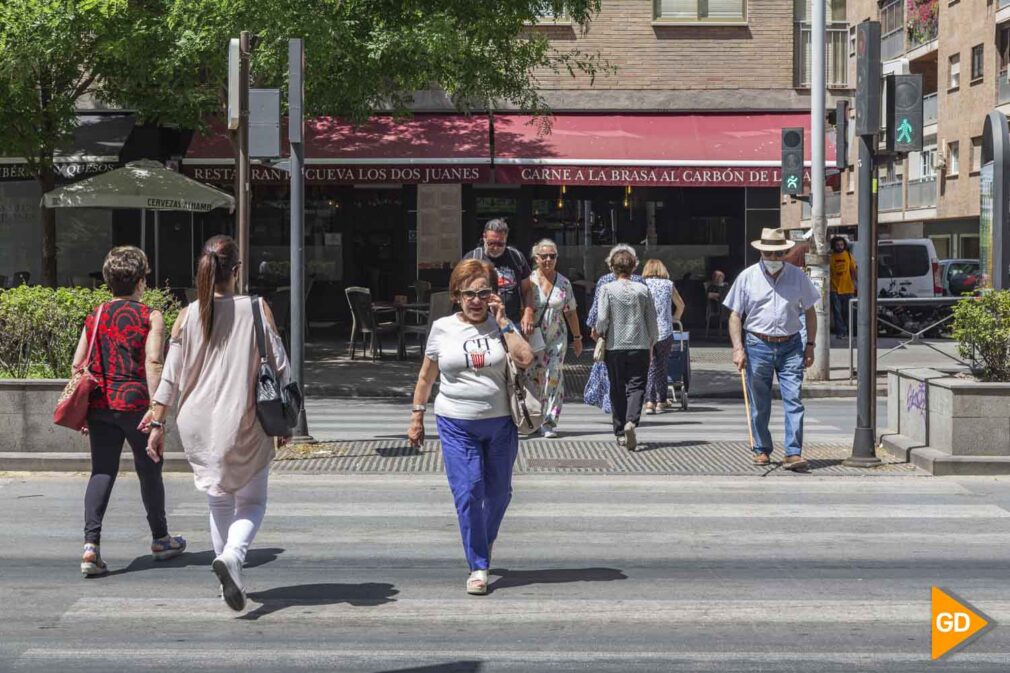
pixel 954 623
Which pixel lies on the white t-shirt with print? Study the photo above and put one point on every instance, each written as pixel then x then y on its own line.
pixel 471 362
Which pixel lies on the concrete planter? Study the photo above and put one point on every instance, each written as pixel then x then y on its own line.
pixel 30 441
pixel 947 425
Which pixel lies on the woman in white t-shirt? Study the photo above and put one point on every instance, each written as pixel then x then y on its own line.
pixel 479 439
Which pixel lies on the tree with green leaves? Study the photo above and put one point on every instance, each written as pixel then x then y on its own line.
pixel 167 60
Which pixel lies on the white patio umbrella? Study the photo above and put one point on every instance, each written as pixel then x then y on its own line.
pixel 142 184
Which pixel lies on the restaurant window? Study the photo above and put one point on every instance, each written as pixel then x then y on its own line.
pixel 717 11
pixel 977 63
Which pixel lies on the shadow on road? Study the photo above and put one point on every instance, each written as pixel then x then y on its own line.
pixel 509 579
pixel 254 558
pixel 645 447
pixel 451 667
pixel 366 594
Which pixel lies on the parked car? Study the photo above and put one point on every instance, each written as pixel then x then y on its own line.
pixel 959 276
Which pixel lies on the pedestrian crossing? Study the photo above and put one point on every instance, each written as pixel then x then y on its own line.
pixel 335 419
pixel 365 574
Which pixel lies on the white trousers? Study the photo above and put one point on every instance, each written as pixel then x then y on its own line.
pixel 235 517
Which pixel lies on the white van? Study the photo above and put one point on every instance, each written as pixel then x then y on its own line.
pixel 908 267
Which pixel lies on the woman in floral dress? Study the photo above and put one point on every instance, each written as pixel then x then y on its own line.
pixel 554 305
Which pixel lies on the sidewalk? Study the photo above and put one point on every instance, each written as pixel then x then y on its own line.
pixel 329 372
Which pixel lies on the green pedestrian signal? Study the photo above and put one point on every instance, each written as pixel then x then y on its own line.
pixel 904 113
pixel 792 182
pixel 905 131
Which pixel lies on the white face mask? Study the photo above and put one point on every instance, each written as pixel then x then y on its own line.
pixel 773 266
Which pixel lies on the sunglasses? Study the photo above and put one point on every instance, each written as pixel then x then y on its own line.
pixel 548 255
pixel 773 254
pixel 470 295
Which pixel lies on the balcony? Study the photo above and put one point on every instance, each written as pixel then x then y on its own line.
pixel 1004 3
pixel 929 107
pixel 836 61
pixel 921 193
pixel 890 196
pixel 892 29
pixel 923 22
pixel 1003 90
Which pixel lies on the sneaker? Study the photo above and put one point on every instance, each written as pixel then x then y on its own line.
pixel 476 584
pixel 620 441
pixel 650 408
pixel 549 433
pixel 168 547
pixel 91 561
pixel 667 404
pixel 629 436
pixel 794 463
pixel 229 572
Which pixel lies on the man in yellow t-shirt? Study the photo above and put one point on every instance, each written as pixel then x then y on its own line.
pixel 843 285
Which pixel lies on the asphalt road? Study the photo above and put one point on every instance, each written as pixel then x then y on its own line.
pixel 365 573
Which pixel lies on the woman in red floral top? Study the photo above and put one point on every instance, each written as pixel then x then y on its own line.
pixel 127 360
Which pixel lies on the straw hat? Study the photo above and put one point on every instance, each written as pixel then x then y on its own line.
pixel 772 240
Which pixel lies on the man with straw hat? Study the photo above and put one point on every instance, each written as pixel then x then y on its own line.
pixel 767 302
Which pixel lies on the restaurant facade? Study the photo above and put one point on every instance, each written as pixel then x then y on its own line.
pixel 396 200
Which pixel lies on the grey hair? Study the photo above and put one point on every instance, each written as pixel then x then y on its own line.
pixel 543 242
pixel 618 248
pixel 497 224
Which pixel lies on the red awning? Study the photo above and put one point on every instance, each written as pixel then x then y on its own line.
pixel 638 149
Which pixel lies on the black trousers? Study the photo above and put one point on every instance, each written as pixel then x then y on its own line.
pixel 628 372
pixel 108 430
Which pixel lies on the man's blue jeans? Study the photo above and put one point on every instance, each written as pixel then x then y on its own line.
pixel 784 361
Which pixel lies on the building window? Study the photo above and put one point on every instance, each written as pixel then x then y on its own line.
pixel 954 79
pixel 708 11
pixel 968 246
pixel 976 154
pixel 546 14
pixel 852 41
pixel 953 158
pixel 977 64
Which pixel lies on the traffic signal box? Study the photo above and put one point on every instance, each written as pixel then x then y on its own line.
pixel 792 160
pixel 904 113
pixel 868 78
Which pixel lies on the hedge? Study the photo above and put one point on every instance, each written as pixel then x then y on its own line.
pixel 40 326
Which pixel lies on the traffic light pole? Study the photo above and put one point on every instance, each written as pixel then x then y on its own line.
pixel 865 440
pixel 817 259
pixel 296 139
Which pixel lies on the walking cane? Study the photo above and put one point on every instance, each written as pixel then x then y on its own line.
pixel 746 406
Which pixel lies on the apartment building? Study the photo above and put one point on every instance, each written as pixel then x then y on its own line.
pixel 962 50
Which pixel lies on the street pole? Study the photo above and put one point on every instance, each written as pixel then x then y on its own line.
pixel 865 440
pixel 242 172
pixel 817 260
pixel 296 139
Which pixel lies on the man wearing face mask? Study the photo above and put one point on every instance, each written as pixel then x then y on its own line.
pixel 766 302
pixel 513 270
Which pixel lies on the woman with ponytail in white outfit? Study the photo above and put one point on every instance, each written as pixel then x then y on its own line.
pixel 210 377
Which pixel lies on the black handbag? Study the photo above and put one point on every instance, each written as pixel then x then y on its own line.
pixel 277 407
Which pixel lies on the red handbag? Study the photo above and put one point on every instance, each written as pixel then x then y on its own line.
pixel 72 407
